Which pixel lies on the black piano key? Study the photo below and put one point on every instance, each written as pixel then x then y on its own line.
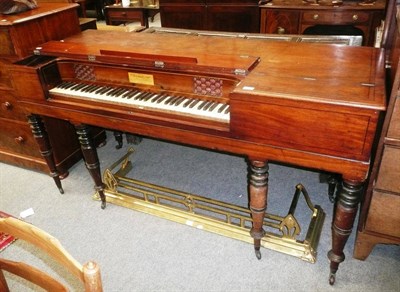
pixel 169 99
pixel 207 105
pixel 222 108
pixel 154 97
pixel 130 91
pixel 213 106
pixel 123 92
pixel 80 87
pixel 162 98
pixel 194 102
pixel 118 92
pixel 174 100
pixel 132 94
pixel 146 96
pixel 139 96
pixel 202 105
pixel 180 100
pixel 112 92
pixel 94 88
pixel 150 96
pixel 64 84
pixel 158 97
pixel 189 101
pixel 100 88
pixel 227 110
pixel 88 88
pixel 104 90
pixel 76 86
pixel 68 85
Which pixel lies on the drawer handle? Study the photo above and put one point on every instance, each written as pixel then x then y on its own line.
pixel 316 16
pixel 6 106
pixel 19 140
pixel 123 13
pixel 280 30
pixel 355 17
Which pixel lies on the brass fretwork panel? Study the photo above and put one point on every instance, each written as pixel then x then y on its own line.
pixel 213 215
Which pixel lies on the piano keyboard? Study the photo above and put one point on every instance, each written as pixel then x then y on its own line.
pixel 146 100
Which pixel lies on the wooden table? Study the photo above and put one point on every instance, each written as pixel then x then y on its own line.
pixel 137 11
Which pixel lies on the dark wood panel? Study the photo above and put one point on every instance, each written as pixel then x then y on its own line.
pixel 232 18
pixel 282 21
pixel 384 214
pixel 185 16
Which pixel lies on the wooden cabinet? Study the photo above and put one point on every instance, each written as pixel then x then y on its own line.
pixel 19 35
pixel 380 215
pixel 217 15
pixel 297 17
pixel 116 14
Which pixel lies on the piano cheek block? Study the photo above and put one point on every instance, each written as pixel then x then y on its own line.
pixel 343 134
pixel 29 81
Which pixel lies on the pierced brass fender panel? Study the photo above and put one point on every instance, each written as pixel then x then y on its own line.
pixel 212 215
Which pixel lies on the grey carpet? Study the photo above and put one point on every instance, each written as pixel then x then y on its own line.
pixel 139 252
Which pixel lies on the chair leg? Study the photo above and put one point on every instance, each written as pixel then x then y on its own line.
pixel 3 282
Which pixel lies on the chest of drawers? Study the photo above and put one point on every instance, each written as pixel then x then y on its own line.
pixel 19 35
pixel 380 216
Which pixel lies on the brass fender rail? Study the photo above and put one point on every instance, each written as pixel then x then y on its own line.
pixel 212 215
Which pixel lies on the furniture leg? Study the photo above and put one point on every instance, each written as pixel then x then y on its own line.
pixel 363 246
pixel 118 139
pixel 40 134
pixel 345 213
pixel 91 159
pixel 333 181
pixel 258 189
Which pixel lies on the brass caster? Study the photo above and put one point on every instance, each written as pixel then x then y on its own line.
pixel 61 191
pixel 103 205
pixel 258 253
pixel 332 278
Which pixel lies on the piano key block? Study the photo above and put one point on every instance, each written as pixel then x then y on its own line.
pixel 135 98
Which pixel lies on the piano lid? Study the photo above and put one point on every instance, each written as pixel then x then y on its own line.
pixel 149 51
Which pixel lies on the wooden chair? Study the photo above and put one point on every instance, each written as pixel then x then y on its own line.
pixel 88 274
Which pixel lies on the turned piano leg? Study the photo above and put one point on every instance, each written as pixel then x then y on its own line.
pixel 42 139
pixel 345 213
pixel 258 189
pixel 91 159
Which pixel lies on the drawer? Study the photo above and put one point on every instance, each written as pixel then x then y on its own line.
pixel 9 108
pixel 389 170
pixel 5 81
pixel 17 137
pixel 332 17
pixel 125 15
pixel 383 214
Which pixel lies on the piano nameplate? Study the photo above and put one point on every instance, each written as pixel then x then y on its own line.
pixel 140 78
